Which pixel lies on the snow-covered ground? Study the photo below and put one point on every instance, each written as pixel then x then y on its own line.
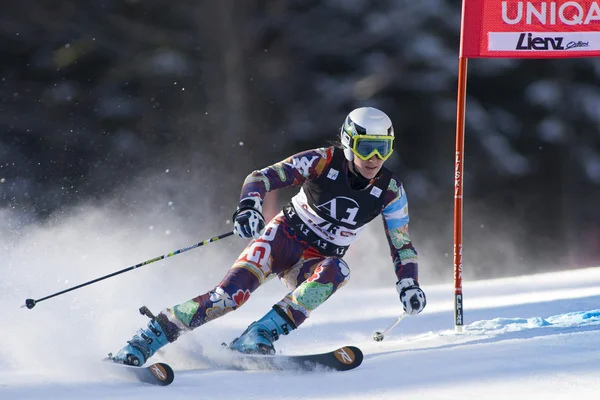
pixel 529 337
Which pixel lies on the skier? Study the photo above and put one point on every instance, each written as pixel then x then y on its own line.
pixel 342 189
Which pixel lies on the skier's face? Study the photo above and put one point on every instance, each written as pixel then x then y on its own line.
pixel 369 168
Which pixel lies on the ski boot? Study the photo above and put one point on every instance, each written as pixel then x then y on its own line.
pixel 258 338
pixel 142 346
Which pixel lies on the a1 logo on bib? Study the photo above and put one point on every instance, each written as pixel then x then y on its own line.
pixel 341 208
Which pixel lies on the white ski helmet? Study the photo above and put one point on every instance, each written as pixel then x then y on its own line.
pixel 367 131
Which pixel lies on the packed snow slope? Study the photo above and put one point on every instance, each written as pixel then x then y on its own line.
pixel 528 337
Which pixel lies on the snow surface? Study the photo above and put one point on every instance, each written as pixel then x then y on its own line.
pixel 529 337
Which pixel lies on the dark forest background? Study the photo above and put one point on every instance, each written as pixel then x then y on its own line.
pixel 104 97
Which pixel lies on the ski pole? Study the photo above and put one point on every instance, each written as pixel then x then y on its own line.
pixel 30 303
pixel 378 336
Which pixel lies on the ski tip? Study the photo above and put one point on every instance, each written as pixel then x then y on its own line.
pixel 162 372
pixel 349 357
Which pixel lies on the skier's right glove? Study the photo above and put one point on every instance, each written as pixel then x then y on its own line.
pixel 412 297
pixel 248 219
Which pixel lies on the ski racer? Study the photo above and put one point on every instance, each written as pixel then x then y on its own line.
pixel 342 189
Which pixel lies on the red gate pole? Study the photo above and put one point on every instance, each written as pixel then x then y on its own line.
pixel 458 193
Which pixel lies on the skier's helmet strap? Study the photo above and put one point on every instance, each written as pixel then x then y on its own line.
pixel 366 132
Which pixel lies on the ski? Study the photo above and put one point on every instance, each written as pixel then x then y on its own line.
pixel 160 374
pixel 342 359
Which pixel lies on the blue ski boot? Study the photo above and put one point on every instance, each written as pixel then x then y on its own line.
pixel 260 335
pixel 142 346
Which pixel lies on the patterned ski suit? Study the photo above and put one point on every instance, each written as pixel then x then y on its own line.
pixel 304 244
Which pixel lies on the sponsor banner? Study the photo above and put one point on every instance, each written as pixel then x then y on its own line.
pixel 544 41
pixel 530 29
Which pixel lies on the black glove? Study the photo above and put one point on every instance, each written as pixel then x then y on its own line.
pixel 248 219
pixel 412 297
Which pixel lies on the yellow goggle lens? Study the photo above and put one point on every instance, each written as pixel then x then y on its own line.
pixel 367 146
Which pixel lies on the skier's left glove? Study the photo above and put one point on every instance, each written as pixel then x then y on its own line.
pixel 249 221
pixel 412 297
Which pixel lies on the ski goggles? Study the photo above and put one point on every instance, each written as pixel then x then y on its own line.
pixel 367 146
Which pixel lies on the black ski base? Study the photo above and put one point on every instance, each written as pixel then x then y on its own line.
pixel 342 359
pixel 160 374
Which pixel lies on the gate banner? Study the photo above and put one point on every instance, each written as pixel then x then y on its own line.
pixel 530 29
